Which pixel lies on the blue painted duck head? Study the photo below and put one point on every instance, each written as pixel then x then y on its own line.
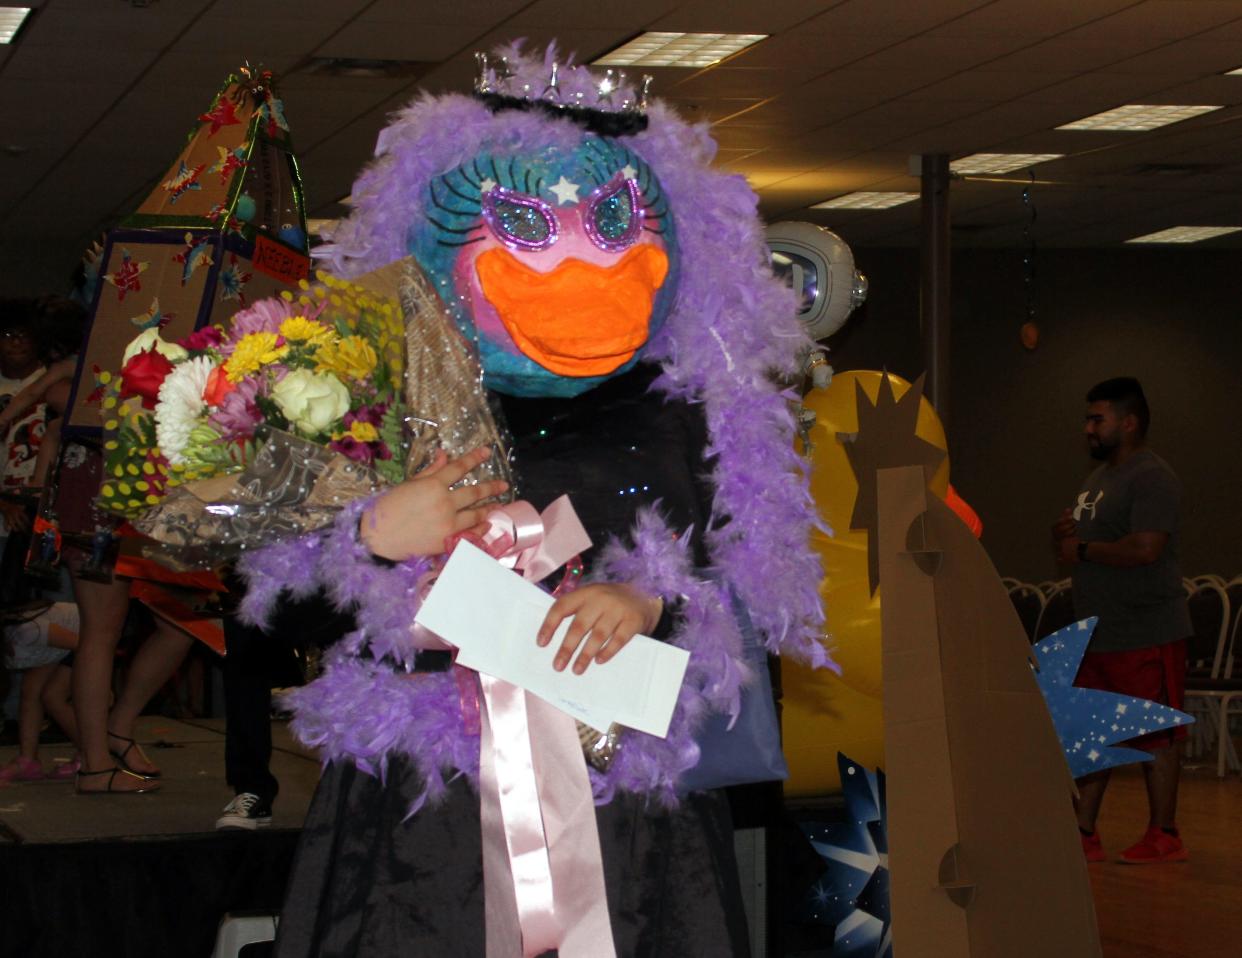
pixel 560 263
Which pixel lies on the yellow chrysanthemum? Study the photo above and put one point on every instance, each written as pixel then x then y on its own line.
pixel 352 358
pixel 252 352
pixel 299 329
pixel 364 432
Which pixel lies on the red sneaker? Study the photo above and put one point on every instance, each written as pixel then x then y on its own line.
pixel 1154 847
pixel 1092 849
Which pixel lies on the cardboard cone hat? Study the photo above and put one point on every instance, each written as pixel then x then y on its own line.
pixel 223 227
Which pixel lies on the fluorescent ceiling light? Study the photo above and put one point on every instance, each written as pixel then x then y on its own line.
pixel 678 49
pixel 1186 234
pixel 866 201
pixel 11 20
pixel 999 162
pixel 1137 117
pixel 1234 73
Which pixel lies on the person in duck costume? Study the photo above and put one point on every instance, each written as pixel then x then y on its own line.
pixel 631 337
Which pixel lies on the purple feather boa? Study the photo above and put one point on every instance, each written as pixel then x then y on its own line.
pixel 732 327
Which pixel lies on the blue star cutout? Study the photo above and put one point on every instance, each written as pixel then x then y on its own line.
pixel 1089 722
pixel 852 894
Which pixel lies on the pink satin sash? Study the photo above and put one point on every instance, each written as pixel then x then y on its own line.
pixel 543 874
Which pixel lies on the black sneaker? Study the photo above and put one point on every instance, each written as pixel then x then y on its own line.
pixel 247 811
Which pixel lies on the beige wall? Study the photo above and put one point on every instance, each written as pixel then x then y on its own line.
pixel 1172 317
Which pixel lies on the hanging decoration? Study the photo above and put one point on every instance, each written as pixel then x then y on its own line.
pixel 1030 329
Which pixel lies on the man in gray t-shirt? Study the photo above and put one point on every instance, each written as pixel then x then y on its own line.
pixel 1138 605
pixel 1121 541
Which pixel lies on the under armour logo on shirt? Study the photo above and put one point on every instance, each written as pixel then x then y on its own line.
pixel 1085 506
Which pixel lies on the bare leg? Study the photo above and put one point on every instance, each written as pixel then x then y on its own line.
pixel 56 702
pixel 1090 797
pixel 102 607
pixel 47 453
pixel 1161 775
pixel 30 712
pixel 156 660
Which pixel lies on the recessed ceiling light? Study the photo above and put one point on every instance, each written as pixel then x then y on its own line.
pixel 1186 234
pixel 1137 117
pixel 866 201
pixel 999 162
pixel 11 20
pixel 678 49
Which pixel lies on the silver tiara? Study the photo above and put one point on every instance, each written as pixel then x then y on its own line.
pixel 568 87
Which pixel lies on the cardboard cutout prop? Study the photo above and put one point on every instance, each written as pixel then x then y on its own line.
pixel 979 830
pixel 1091 722
pixel 224 227
pixel 852 894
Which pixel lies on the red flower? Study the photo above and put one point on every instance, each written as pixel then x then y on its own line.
pixel 218 386
pixel 143 375
pixel 201 340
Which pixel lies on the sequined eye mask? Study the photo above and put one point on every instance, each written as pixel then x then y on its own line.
pixel 612 217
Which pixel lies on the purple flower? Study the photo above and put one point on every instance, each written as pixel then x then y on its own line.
pixel 368 414
pixel 352 448
pixel 201 340
pixel 238 414
pixel 265 316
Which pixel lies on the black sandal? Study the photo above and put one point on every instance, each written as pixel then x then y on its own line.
pixel 147 784
pixel 130 745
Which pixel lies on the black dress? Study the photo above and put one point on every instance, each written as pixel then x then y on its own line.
pixel 369 882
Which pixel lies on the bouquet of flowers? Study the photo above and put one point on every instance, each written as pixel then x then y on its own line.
pixel 214 438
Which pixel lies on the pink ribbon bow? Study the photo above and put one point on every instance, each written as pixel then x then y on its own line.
pixel 543 874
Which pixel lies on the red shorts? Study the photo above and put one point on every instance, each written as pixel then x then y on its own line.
pixel 1157 672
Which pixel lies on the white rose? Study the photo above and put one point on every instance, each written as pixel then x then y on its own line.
pixel 311 401
pixel 150 339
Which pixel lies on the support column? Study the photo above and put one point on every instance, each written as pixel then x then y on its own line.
pixel 934 282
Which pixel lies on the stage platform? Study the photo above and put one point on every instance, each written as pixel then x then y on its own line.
pixel 143 875
pixel 192 792
pixel 147 875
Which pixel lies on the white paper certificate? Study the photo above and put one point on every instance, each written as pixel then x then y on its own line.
pixel 492 615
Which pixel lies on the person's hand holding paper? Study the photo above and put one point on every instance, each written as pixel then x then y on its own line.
pixel 494 617
pixel 606 614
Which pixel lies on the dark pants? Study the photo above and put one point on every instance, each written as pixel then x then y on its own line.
pixel 256 661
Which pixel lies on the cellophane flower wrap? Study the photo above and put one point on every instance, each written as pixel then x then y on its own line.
pixel 262 427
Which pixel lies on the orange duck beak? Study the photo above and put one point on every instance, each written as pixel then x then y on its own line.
pixel 577 319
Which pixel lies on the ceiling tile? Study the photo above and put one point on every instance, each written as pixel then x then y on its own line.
pixel 463 11
pixel 942 56
pixel 739 16
pixel 399 40
pixel 890 18
pixel 836 99
pixel 987 85
pixel 1022 18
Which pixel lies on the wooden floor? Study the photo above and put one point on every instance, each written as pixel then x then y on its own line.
pixel 1182 910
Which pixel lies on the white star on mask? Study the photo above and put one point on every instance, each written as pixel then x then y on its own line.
pixel 566 192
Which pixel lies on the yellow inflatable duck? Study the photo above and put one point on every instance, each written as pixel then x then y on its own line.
pixel 824 713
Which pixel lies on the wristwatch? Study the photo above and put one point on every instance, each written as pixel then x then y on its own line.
pixel 1082 552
